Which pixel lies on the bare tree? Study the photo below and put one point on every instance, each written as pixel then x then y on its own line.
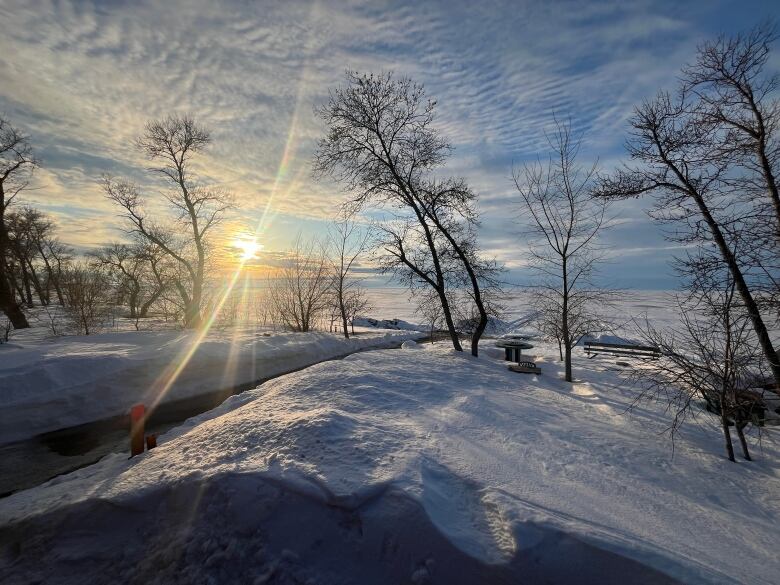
pixel 136 270
pixel 429 309
pixel 17 164
pixel 712 357
pixel 382 145
pixel 356 304
pixel 299 291
pixel 450 206
pixel 172 143
pixel 587 315
pixel 680 163
pixel 35 254
pixel 736 99
pixel 50 251
pixel 349 244
pixel 564 222
pixel 86 291
pixel 21 249
pixel 736 96
pixel 402 248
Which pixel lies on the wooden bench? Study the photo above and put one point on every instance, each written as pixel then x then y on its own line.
pixel 525 368
pixel 643 352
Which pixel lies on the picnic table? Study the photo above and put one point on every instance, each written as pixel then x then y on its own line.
pixel 513 347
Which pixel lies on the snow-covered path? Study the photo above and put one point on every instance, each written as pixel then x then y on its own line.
pixel 514 473
pixel 51 385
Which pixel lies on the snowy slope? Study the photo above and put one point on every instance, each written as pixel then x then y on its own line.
pixel 404 466
pixel 46 386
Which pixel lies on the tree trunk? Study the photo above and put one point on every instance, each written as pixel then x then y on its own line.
pixel 36 282
pixel 8 303
pixel 483 317
pixel 769 177
pixel 343 310
pixel 133 302
pixel 26 284
pixel 726 434
pixel 144 310
pixel 744 292
pixel 9 306
pixel 445 307
pixel 565 322
pixel 192 317
pixel 742 440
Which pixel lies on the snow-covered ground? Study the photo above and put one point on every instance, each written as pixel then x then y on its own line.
pixel 56 383
pixel 416 465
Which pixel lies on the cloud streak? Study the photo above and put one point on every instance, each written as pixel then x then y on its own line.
pixel 82 78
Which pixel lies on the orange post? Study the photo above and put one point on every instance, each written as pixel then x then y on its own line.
pixel 137 419
pixel 151 442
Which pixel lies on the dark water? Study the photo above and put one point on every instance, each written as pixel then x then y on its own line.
pixel 34 461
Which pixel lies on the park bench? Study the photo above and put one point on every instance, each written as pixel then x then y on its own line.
pixel 643 352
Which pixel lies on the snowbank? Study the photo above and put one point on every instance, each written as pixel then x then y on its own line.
pixel 410 466
pixel 387 324
pixel 72 380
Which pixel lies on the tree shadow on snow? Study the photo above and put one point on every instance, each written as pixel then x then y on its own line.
pixel 255 529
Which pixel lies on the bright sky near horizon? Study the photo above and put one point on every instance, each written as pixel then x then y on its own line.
pixel 82 78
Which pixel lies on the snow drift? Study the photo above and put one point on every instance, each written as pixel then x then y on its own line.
pixel 419 466
pixel 45 386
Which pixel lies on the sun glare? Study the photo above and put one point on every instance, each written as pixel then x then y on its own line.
pixel 247 248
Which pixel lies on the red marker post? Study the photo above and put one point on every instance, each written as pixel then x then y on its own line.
pixel 137 419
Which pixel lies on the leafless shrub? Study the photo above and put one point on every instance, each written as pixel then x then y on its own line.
pixel 713 357
pixel 86 290
pixel 299 290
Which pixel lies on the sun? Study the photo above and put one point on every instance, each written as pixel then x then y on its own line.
pixel 247 247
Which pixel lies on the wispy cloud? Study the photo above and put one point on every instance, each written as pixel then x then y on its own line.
pixel 84 77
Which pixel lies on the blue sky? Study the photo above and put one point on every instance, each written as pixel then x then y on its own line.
pixel 82 78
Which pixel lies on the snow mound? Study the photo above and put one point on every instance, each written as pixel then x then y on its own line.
pixel 410 344
pixel 409 466
pixel 245 528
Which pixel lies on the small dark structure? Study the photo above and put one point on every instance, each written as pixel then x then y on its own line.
pixel 526 368
pixel 643 352
pixel 513 347
pixel 513 350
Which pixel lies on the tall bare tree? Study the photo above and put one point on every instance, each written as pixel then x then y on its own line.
pixel 171 144
pixel 429 309
pixel 50 251
pixel 17 163
pixel 737 100
pixel 349 244
pixel 738 97
pixel 679 162
pixel 564 222
pixel 450 206
pixel 35 254
pixel 382 145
